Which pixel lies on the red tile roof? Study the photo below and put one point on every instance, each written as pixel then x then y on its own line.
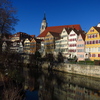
pixel 33 36
pixel 55 34
pixel 58 29
pixel 19 33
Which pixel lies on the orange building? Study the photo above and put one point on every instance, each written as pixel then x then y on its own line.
pixel 49 41
pixel 35 45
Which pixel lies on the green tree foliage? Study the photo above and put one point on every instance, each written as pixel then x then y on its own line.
pixel 7 17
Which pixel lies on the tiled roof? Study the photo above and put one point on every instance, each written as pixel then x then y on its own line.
pixel 58 29
pixel 37 40
pixel 83 36
pixel 55 34
pixel 78 31
pixel 97 28
pixel 68 30
pixel 33 36
pixel 19 33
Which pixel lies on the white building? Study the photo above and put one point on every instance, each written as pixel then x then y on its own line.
pixel 62 43
pixel 73 36
pixel 72 43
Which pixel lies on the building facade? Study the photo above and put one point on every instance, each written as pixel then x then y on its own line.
pixel 27 46
pixel 80 47
pixel 92 43
pixel 62 43
pixel 50 41
pixel 72 43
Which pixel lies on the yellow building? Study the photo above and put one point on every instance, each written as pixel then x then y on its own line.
pixel 50 41
pixel 92 43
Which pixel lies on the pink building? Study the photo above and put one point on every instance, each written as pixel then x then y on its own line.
pixel 81 47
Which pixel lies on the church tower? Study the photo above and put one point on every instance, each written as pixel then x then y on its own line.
pixel 43 24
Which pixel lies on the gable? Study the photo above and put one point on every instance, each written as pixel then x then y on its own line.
pixel 80 38
pixel 49 35
pixel 64 32
pixel 27 40
pixel 72 32
pixel 33 40
pixel 92 30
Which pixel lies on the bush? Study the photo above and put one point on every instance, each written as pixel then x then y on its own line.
pixel 97 62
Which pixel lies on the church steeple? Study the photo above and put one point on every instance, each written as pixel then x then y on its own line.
pixel 43 24
pixel 44 17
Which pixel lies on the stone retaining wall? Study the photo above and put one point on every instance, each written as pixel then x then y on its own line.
pixel 88 70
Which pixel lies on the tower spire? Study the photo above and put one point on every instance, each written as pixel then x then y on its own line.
pixel 43 24
pixel 44 17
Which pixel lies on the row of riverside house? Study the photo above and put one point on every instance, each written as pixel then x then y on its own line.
pixel 21 43
pixel 70 40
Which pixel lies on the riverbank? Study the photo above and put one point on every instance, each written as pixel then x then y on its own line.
pixel 87 70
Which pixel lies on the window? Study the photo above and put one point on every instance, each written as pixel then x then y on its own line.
pixel 88 36
pixel 89 49
pixel 93 55
pixel 80 39
pixel 96 41
pixel 98 48
pixel 81 56
pixel 87 42
pixel 98 55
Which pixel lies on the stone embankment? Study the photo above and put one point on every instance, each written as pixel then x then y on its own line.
pixel 87 70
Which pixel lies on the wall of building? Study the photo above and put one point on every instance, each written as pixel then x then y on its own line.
pixel 49 43
pixel 80 49
pixel 92 44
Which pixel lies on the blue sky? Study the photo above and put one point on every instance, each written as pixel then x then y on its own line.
pixel 58 12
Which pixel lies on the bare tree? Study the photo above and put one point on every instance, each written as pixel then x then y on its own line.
pixel 7 17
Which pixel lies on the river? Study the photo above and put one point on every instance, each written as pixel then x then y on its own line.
pixel 53 85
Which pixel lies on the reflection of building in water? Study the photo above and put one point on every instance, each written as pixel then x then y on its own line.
pixel 29 81
pixel 68 88
pixel 60 86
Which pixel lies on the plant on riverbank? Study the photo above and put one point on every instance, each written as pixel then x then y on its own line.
pixel 12 92
pixel 35 60
pixel 60 58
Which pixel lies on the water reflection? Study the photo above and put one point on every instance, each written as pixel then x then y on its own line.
pixel 62 86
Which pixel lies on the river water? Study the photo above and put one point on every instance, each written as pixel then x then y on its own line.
pixel 53 85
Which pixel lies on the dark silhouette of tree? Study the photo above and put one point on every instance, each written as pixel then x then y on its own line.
pixel 7 17
pixel 60 57
pixel 50 59
pixel 37 55
pixel 37 58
